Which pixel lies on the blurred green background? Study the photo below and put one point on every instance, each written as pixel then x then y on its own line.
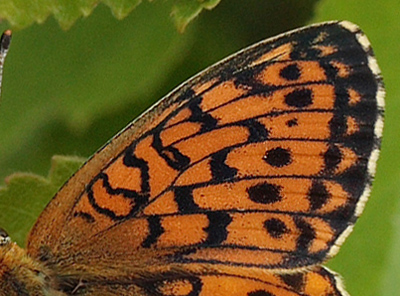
pixel 68 92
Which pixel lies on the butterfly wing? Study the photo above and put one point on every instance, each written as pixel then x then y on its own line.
pixel 262 162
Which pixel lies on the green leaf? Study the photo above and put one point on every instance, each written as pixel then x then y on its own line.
pixel 62 167
pixel 100 68
pixel 24 196
pixel 184 11
pixel 122 8
pixel 23 13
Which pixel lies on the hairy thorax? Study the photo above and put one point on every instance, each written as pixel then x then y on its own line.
pixel 21 275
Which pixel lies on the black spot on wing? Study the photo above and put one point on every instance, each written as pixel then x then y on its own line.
pixel 307 235
pixel 156 230
pixel 260 293
pixel 216 230
pixel 290 72
pixel 265 193
pixel 220 171
pixel 208 122
pixel 130 160
pixel 295 280
pixel 275 228
pixel 184 199
pixel 174 158
pixel 257 131
pixel 318 195
pixel 332 158
pixel 278 157
pixel 299 98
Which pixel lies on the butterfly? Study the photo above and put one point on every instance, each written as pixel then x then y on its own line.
pixel 242 181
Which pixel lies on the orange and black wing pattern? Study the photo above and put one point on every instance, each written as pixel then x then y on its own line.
pixel 241 182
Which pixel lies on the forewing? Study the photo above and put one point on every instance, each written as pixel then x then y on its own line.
pixel 264 160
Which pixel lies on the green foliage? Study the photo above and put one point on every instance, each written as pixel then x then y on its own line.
pixel 25 195
pixel 21 14
pixel 67 92
pixel 184 11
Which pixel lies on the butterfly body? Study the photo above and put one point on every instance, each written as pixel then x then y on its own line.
pixel 240 182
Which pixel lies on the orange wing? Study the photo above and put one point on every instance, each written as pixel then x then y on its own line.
pixel 259 165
